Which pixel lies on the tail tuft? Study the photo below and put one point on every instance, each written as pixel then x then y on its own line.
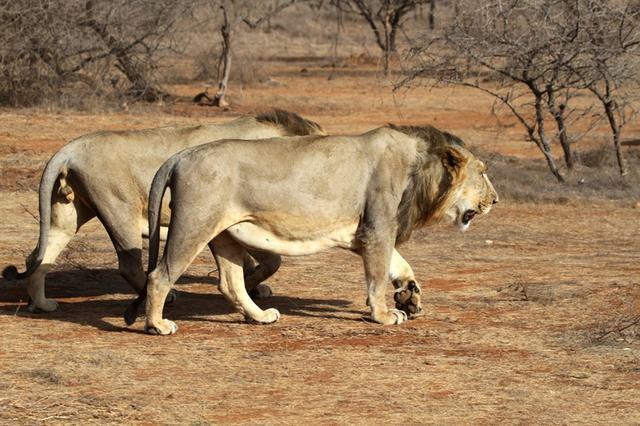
pixel 10 273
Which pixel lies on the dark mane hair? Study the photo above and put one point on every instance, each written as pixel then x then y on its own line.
pixel 294 124
pixel 431 181
pixel 430 135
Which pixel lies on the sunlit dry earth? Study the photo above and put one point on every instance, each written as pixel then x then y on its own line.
pixel 520 319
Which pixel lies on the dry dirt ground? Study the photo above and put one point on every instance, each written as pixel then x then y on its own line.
pixel 528 316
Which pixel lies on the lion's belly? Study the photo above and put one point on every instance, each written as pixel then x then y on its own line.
pixel 259 238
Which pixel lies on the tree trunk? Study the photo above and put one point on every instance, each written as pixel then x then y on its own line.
pixel 623 166
pixel 225 61
pixel 385 61
pixel 388 45
pixel 543 144
pixel 558 115
pixel 432 14
pixel 609 107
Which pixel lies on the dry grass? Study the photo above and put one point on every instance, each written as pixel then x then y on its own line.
pixel 480 353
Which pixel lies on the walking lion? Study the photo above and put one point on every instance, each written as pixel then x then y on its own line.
pixel 108 175
pixel 300 195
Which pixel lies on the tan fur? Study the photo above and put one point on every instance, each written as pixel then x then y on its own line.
pixel 304 194
pixel 108 175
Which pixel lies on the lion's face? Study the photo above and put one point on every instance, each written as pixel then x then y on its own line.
pixel 474 195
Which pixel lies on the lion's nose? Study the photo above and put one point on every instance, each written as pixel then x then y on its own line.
pixel 496 198
pixel 495 201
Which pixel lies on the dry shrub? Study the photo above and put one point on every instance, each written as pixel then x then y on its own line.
pixel 62 52
pixel 45 376
pixel 248 72
pixel 605 156
pixel 206 63
pixel 623 327
pixel 620 323
pixel 595 176
pixel 245 70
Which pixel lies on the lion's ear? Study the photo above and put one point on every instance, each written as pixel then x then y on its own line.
pixel 453 159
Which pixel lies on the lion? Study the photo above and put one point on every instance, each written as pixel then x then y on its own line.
pixel 297 196
pixel 108 175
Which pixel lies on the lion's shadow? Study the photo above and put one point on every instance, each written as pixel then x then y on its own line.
pixel 83 286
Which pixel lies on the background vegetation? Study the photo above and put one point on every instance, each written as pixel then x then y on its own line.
pixel 561 68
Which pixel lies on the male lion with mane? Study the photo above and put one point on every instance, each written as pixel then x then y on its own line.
pixel 296 196
pixel 108 175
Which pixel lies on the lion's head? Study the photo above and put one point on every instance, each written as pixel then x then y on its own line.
pixel 447 180
pixel 472 193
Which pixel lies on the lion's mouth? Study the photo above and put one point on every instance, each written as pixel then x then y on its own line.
pixel 467 216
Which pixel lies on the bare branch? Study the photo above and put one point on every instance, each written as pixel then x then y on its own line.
pixel 267 16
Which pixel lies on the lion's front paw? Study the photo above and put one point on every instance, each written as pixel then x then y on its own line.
pixel 268 316
pixel 165 328
pixel 407 297
pixel 391 317
pixel 261 291
pixel 45 305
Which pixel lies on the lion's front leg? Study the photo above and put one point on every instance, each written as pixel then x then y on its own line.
pixel 407 291
pixel 230 257
pixel 255 273
pixel 377 257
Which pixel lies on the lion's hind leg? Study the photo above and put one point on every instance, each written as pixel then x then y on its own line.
pixel 230 256
pixel 66 219
pixel 179 252
pixel 158 286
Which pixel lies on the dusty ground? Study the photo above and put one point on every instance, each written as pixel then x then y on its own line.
pixel 524 321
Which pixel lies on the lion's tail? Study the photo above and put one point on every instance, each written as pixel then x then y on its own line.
pixel 156 194
pixel 55 168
